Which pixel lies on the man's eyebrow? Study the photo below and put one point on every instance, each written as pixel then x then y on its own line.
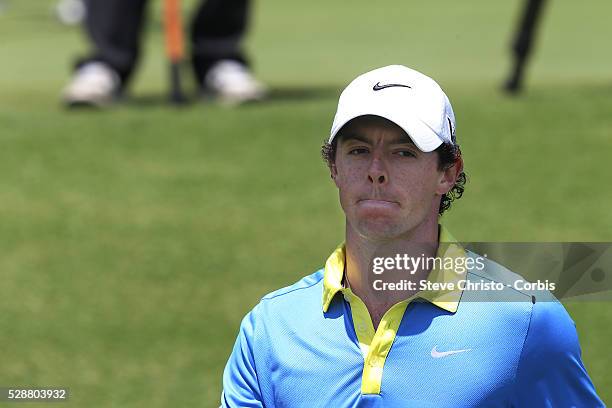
pixel 402 139
pixel 348 136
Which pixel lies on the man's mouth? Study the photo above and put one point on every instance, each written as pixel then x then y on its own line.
pixel 377 202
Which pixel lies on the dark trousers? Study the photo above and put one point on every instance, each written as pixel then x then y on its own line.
pixel 115 27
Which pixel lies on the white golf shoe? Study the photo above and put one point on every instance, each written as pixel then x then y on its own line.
pixel 94 84
pixel 232 83
pixel 70 12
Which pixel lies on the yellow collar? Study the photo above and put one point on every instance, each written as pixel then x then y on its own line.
pixel 445 299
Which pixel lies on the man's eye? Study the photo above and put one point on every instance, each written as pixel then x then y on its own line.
pixel 406 153
pixel 358 150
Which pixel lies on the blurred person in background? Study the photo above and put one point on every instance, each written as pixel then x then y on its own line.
pixel 114 28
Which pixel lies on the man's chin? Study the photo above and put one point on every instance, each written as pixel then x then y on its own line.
pixel 379 228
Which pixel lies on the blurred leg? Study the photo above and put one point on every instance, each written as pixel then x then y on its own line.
pixel 523 43
pixel 114 28
pixel 216 33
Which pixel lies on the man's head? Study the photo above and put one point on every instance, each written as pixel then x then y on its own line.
pixel 392 152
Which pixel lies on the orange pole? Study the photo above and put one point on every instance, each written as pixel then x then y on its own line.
pixel 174 30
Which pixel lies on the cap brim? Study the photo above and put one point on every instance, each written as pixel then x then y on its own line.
pixel 425 139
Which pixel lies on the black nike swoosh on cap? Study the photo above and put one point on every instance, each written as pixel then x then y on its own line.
pixel 378 86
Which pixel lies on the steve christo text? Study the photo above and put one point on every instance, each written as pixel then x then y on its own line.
pixel 462 284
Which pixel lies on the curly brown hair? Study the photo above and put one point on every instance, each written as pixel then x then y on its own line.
pixel 448 154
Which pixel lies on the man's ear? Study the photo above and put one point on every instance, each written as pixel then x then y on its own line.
pixel 333 172
pixel 448 177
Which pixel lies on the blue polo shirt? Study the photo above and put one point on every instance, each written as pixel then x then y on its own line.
pixel 313 344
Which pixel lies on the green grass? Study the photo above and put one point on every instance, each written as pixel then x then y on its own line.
pixel 134 240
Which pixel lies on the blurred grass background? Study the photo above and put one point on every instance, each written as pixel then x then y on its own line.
pixel 134 240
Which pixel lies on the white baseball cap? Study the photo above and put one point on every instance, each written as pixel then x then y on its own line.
pixel 411 100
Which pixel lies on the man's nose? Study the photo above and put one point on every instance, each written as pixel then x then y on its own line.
pixel 377 174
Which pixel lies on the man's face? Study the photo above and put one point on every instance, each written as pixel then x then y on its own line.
pixel 387 186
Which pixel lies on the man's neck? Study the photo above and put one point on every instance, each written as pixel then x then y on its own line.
pixel 365 280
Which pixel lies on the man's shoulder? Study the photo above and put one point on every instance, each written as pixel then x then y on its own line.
pixel 307 286
pixel 546 317
pixel 287 308
pixel 517 288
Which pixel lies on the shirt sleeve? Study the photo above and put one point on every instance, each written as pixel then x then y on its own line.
pixel 550 371
pixel 240 383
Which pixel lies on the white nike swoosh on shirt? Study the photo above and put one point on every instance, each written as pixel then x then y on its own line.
pixel 439 354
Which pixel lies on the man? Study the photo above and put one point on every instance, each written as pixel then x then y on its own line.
pixel 114 28
pixel 345 336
